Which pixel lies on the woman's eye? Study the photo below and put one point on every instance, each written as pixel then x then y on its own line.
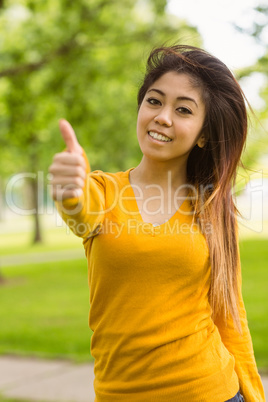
pixel 184 110
pixel 153 101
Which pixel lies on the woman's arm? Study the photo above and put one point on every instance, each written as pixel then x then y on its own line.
pixel 241 347
pixel 79 198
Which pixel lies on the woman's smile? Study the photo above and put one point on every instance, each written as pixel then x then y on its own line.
pixel 159 137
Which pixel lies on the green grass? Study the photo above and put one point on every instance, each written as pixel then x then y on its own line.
pixel 44 308
pixel 254 258
pixel 44 311
pixel 54 239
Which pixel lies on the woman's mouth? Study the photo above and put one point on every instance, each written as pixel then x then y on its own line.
pixel 159 137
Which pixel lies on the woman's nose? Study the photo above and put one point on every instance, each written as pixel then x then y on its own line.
pixel 164 118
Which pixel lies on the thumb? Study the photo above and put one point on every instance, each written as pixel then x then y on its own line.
pixel 69 137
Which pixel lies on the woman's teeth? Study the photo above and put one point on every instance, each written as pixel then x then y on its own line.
pixel 159 137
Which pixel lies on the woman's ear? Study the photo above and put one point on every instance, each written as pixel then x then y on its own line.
pixel 201 141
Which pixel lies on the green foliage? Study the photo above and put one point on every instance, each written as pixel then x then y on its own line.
pixel 257 143
pixel 80 60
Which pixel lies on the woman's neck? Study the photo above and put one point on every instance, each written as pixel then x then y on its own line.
pixel 164 174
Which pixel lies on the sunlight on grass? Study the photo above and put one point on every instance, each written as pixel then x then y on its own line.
pixel 16 236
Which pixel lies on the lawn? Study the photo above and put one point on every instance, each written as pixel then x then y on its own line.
pixel 44 311
pixel 254 258
pixel 44 308
pixel 54 239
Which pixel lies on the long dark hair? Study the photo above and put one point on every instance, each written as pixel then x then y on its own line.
pixel 213 167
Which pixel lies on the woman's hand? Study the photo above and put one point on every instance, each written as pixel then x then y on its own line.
pixel 68 168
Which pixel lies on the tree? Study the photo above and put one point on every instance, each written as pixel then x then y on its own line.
pixel 78 60
pixel 258 139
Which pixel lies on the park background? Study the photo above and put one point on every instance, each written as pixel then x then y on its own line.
pixel 84 60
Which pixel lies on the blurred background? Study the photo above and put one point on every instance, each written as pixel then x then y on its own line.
pixel 84 60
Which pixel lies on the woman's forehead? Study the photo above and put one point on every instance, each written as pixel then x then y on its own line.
pixel 176 84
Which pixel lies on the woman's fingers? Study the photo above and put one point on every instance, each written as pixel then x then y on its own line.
pixel 65 181
pixel 61 194
pixel 59 170
pixel 68 168
pixel 68 158
pixel 69 137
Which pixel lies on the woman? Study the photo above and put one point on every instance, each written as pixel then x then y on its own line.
pixel 167 314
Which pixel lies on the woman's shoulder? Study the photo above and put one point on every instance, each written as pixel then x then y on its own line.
pixel 110 184
pixel 116 177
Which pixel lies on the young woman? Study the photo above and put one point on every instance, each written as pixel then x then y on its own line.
pixel 166 307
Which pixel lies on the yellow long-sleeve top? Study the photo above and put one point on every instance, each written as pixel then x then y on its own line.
pixel 153 335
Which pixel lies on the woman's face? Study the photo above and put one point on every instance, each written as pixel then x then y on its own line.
pixel 171 118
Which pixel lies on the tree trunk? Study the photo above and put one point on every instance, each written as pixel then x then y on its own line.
pixel 34 187
pixel 37 235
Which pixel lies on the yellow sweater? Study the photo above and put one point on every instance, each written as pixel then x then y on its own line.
pixel 154 338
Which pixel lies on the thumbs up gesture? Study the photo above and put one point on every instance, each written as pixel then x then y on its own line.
pixel 68 168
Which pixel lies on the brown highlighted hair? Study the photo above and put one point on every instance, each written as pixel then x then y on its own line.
pixel 213 167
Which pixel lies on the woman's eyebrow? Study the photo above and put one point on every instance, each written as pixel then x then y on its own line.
pixel 157 90
pixel 178 98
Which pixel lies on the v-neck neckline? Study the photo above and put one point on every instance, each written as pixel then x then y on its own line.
pixel 184 207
